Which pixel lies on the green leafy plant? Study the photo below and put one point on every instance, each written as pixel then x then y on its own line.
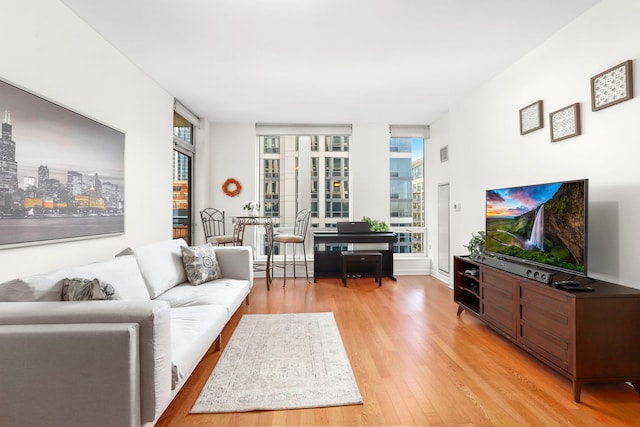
pixel 476 244
pixel 375 225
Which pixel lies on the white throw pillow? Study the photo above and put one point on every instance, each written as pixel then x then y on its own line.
pixel 200 264
pixel 161 265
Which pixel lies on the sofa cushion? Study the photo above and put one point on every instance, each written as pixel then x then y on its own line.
pixel 121 272
pixel 77 289
pixel 161 265
pixel 200 263
pixel 228 293
pixel 193 330
pixel 39 287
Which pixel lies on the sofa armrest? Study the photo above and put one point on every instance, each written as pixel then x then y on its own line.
pixel 152 317
pixel 62 374
pixel 236 262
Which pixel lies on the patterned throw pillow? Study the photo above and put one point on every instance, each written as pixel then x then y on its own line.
pixel 200 264
pixel 86 289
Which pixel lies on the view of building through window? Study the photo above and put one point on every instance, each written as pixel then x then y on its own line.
pixel 406 198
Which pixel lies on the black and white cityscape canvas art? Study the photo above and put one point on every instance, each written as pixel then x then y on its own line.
pixel 61 173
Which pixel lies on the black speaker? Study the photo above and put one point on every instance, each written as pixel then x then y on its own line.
pixel 521 269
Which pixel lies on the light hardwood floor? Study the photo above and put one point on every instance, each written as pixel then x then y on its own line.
pixel 416 364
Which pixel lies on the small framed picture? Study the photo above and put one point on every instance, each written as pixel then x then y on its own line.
pixel 531 118
pixel 565 123
pixel 612 86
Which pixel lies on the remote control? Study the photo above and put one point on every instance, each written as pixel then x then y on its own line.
pixel 563 283
pixel 575 288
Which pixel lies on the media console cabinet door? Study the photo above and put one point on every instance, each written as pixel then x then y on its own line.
pixel 545 320
pixel 499 300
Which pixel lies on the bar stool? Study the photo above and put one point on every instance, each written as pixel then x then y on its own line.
pixel 299 236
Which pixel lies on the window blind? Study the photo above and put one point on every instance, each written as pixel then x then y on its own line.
pixel 409 131
pixel 186 113
pixel 267 129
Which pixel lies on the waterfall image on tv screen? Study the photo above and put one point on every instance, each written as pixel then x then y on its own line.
pixel 544 224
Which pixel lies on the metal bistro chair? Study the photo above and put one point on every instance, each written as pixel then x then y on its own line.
pixel 214 229
pixel 299 235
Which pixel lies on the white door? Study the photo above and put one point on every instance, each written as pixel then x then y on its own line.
pixel 443 228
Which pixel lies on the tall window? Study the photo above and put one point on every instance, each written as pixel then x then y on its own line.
pixel 183 154
pixel 302 171
pixel 406 198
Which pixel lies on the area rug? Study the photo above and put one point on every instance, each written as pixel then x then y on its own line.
pixel 281 361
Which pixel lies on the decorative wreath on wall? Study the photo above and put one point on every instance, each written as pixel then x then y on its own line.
pixel 231 187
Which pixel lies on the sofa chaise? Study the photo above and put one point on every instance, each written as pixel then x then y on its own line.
pixel 116 362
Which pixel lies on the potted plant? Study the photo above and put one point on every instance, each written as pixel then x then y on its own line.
pixel 252 207
pixel 477 242
pixel 375 226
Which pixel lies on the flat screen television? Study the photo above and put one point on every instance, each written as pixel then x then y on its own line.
pixel 543 224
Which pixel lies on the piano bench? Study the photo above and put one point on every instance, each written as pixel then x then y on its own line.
pixel 358 258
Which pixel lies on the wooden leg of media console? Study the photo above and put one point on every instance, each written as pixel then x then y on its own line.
pixel 460 310
pixel 577 387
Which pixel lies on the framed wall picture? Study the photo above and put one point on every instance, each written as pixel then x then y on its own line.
pixel 61 173
pixel 612 86
pixel 531 118
pixel 565 122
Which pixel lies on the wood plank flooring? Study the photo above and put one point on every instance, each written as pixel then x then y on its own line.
pixel 416 364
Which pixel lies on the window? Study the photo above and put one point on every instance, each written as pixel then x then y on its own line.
pixel 406 189
pixel 284 157
pixel 304 168
pixel 184 123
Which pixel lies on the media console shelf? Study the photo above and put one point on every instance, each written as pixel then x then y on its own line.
pixel 589 337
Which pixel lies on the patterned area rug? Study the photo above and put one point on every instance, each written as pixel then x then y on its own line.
pixel 281 361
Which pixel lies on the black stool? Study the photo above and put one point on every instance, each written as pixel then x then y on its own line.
pixel 351 258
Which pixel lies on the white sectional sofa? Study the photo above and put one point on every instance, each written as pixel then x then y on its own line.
pixel 112 362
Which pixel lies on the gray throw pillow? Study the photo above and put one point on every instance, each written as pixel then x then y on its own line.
pixel 200 263
pixel 77 289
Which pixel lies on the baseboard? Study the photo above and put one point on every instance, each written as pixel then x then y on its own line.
pixel 402 267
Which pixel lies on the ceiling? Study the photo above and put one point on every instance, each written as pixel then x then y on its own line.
pixel 324 61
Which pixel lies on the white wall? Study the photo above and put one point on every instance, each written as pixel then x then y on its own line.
pixel 231 152
pixel 487 151
pixel 369 171
pixel 436 174
pixel 51 52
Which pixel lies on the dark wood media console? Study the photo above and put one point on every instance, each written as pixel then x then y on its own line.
pixel 589 337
